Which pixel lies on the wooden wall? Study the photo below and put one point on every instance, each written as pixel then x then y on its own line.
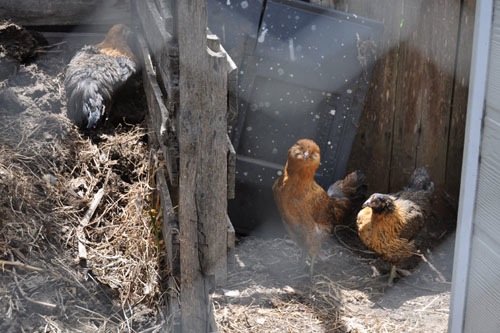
pixel 66 12
pixel 186 77
pixel 415 110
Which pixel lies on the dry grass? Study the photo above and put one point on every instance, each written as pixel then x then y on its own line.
pixel 50 174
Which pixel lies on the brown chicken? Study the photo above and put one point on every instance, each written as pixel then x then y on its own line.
pixel 388 223
pixel 95 74
pixel 307 211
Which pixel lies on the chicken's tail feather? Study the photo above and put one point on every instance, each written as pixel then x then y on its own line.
pixel 420 181
pixel 86 104
pixel 352 187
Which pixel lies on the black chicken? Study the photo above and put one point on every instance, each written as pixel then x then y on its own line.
pixel 95 74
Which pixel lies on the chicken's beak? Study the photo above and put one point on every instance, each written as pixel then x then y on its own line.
pixel 366 203
pixel 306 155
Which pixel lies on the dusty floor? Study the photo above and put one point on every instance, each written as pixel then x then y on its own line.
pixel 269 290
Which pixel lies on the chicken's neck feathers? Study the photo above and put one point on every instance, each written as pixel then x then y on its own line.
pixel 116 48
pixel 297 174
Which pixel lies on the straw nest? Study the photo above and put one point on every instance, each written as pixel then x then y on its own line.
pixel 78 243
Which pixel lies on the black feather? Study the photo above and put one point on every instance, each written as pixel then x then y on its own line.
pixel 91 80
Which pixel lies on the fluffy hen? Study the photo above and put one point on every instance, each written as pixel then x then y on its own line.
pixel 307 211
pixel 95 74
pixel 388 223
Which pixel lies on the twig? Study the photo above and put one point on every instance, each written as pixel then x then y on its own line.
pixel 20 265
pixel 440 275
pixel 51 45
pixel 26 297
pixel 93 206
pixel 82 251
pixel 425 307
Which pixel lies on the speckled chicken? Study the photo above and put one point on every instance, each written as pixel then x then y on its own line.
pixel 307 211
pixel 388 223
pixel 94 75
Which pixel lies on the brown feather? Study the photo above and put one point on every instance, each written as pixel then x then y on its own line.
pixel 388 223
pixel 307 211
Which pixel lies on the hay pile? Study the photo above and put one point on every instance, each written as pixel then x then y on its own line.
pixel 78 242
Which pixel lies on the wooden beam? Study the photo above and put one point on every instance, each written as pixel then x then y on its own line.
pixel 63 12
pixel 161 119
pixel 426 65
pixel 159 32
pixel 372 147
pixel 231 170
pixel 202 128
pixel 231 241
pixel 459 105
pixel 170 232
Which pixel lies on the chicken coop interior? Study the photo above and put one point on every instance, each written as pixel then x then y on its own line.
pixel 172 213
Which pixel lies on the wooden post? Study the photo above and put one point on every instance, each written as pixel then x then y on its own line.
pixel 202 129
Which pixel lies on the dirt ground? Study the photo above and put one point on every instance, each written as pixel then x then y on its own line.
pixel 50 173
pixel 269 289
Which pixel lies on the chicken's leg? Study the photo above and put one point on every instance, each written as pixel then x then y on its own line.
pixel 311 267
pixel 392 275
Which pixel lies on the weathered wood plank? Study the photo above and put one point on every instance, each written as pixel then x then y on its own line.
pixel 372 146
pixel 231 169
pixel 214 45
pixel 459 105
pixel 424 102
pixel 231 241
pixel 154 26
pixel 157 23
pixel 214 154
pixel 165 8
pixel 63 12
pixel 159 114
pixel 232 80
pixel 411 96
pixel 203 165
pixel 170 233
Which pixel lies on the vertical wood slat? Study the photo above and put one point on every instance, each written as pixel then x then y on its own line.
pixel 213 43
pixel 194 294
pixel 231 169
pixel 162 107
pixel 373 143
pixel 160 120
pixel 422 121
pixel 170 231
pixel 459 105
pixel 159 31
pixel 202 128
